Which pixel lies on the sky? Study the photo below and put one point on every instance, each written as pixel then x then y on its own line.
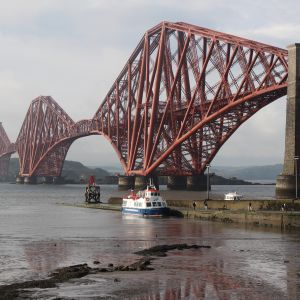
pixel 74 50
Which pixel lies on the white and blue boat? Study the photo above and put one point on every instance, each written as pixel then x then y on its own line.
pixel 146 203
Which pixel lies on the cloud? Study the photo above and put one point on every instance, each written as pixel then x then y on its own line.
pixel 279 31
pixel 8 83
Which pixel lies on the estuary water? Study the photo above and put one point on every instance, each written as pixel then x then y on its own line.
pixel 38 235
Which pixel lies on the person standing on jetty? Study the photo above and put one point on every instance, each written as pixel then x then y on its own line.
pixel 205 204
pixel 249 207
pixel 283 207
pixel 194 205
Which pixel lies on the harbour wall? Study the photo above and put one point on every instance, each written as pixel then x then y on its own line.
pixel 272 205
pixel 277 219
pixel 266 213
pixel 238 205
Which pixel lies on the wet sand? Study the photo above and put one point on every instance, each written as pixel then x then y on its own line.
pixel 65 274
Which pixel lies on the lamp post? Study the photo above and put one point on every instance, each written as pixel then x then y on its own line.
pixel 296 158
pixel 207 167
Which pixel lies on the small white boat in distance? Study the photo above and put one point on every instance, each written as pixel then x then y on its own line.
pixel 145 203
pixel 233 196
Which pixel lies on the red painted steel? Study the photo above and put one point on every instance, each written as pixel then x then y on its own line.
pixel 183 92
pixel 46 136
pixel 6 149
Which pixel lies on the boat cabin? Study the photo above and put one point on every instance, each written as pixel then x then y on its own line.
pixel 233 196
pixel 149 198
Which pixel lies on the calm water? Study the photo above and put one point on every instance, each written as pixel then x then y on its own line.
pixel 37 235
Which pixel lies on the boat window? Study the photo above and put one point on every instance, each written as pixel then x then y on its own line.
pixel 135 204
pixel 154 204
pixel 124 202
pixel 159 203
pixel 148 204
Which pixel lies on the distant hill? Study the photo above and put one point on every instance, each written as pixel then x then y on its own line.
pixel 268 172
pixel 73 171
pixel 219 180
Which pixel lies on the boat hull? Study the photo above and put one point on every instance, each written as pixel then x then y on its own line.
pixel 152 212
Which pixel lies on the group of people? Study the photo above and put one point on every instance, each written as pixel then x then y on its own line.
pixel 205 205
pixel 283 206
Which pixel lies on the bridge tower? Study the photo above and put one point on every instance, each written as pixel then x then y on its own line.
pixel 6 150
pixel 286 181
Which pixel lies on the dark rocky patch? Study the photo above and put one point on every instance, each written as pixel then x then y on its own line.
pixel 64 274
pixel 60 275
pixel 161 250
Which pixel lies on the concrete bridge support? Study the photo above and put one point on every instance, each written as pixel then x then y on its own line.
pixel 140 182
pixel 58 180
pixel 286 182
pixel 126 182
pixel 4 165
pixel 20 180
pixel 176 182
pixel 47 180
pixel 30 180
pixel 197 183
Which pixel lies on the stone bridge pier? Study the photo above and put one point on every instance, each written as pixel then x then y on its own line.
pixel 286 181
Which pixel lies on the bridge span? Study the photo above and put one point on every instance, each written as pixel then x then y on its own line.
pixel 180 96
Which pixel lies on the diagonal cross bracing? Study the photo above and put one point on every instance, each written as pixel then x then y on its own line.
pixel 192 89
pixel 183 92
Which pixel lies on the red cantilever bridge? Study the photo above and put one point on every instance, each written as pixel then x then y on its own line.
pixel 183 92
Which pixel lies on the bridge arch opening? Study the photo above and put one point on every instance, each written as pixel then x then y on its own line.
pixel 95 151
pixel 258 141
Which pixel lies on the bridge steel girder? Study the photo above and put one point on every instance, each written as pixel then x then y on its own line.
pixel 46 136
pixel 6 150
pixel 45 124
pixel 183 92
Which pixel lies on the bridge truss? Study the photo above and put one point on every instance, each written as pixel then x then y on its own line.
pixel 183 92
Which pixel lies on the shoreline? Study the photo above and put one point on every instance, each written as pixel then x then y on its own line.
pixel 259 216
